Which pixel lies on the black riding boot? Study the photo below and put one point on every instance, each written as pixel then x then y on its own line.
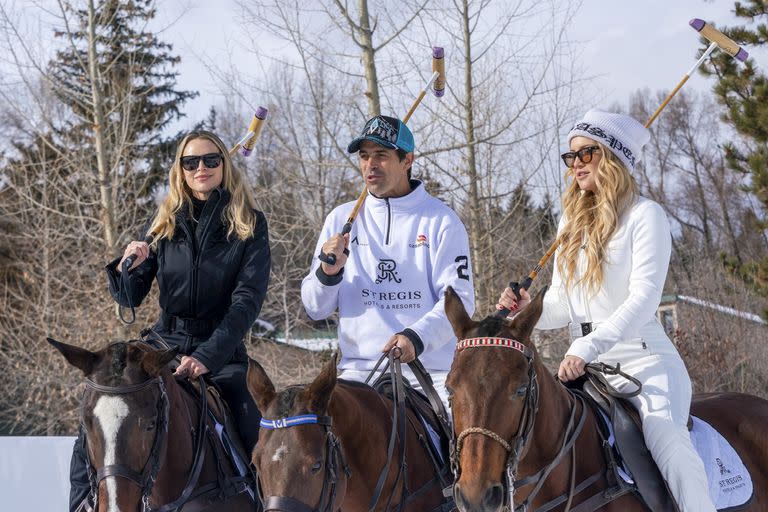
pixel 80 486
pixel 231 380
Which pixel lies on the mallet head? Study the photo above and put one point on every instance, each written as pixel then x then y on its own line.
pixel 438 64
pixel 724 42
pixel 255 128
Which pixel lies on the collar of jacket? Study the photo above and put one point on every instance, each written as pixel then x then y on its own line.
pixel 216 202
pixel 408 202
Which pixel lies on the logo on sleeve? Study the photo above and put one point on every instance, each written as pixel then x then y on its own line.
pixel 386 272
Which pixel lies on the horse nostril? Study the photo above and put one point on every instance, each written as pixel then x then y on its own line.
pixel 494 497
pixel 458 497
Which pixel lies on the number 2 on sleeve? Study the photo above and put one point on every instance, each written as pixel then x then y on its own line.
pixel 463 269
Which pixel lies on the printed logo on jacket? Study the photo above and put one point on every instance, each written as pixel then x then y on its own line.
pixel 386 273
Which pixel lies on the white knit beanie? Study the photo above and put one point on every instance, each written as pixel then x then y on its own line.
pixel 623 135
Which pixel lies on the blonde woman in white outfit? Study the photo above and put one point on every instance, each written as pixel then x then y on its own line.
pixel 614 249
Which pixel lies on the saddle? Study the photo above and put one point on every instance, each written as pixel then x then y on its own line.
pixel 629 447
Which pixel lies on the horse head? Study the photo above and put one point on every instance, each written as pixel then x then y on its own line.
pixel 298 458
pixel 493 392
pixel 124 414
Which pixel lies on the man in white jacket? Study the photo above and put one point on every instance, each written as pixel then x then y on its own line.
pixel 405 248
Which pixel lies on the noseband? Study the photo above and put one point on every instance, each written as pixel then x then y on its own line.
pixel 146 478
pixel 333 457
pixel 519 442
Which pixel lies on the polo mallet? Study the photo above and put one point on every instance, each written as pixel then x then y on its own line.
pixel 717 40
pixel 245 145
pixel 437 84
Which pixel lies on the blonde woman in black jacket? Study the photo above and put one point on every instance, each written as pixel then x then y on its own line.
pixel 211 259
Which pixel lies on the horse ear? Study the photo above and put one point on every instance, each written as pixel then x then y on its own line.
pixel 318 394
pixel 78 357
pixel 260 386
pixel 524 322
pixel 154 361
pixel 457 313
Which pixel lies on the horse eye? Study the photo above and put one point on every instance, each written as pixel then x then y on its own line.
pixel 521 391
pixel 316 466
pixel 151 426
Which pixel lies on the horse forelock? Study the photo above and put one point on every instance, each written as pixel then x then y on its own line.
pixel 285 403
pixel 118 361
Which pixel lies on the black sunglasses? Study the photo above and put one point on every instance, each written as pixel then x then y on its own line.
pixel 584 154
pixel 211 161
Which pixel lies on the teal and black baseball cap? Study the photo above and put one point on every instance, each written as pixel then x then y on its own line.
pixel 386 131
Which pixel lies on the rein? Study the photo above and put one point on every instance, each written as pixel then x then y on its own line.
pixel 333 458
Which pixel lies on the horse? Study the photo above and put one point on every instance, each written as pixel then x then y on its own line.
pixel 326 446
pixel 149 446
pixel 508 408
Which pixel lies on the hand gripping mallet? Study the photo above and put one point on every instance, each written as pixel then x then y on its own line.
pixel 717 40
pixel 437 84
pixel 245 145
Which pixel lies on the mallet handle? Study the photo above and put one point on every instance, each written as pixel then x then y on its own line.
pixel 516 287
pixel 330 259
pixel 711 48
pixel 420 96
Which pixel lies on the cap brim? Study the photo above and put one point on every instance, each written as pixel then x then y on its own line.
pixel 354 146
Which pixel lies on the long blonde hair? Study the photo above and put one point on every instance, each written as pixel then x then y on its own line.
pixel 592 218
pixel 238 215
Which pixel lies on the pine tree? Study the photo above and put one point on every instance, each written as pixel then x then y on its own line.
pixel 743 90
pixel 134 76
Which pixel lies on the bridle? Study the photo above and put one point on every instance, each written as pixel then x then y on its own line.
pixel 517 447
pixel 334 457
pixel 146 478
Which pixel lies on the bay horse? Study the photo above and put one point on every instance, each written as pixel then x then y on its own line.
pixel 323 447
pixel 498 419
pixel 149 447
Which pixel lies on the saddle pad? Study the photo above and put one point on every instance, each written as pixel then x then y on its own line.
pixel 730 485
pixel 729 482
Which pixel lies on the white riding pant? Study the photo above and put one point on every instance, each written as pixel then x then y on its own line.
pixel 664 405
pixel 438 380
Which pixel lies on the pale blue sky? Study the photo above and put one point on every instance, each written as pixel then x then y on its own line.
pixel 641 43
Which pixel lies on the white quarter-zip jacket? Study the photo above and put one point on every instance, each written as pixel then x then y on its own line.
pixel 624 308
pixel 404 253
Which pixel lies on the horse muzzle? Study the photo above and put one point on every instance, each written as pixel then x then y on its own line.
pixel 490 498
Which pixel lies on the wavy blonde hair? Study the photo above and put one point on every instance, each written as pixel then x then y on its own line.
pixel 593 218
pixel 238 215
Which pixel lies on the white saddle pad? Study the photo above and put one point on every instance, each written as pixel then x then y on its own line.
pixel 729 482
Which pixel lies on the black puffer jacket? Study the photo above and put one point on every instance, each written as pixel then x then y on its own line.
pixel 211 287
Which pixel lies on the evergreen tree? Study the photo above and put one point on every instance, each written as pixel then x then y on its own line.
pixel 743 90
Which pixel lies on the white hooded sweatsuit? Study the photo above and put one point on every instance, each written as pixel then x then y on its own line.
pixel 404 253
pixel 626 331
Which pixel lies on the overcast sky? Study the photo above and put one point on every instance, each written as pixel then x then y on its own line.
pixel 643 43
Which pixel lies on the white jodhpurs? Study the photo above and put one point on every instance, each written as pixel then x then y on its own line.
pixel 664 405
pixel 438 380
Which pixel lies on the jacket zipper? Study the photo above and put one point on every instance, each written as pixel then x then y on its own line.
pixel 389 220
pixel 185 227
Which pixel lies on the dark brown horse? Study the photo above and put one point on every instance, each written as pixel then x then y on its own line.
pixel 491 390
pixel 140 428
pixel 326 444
